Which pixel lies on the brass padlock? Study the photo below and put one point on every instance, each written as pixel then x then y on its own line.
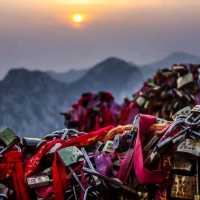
pixel 183 187
pixel 196 197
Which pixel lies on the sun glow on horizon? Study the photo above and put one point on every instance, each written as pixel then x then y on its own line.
pixel 78 18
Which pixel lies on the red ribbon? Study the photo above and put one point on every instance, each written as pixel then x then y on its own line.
pixel 144 175
pixel 126 165
pixel 60 178
pixel 13 167
pixel 33 163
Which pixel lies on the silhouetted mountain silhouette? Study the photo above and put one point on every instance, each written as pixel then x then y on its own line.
pixel 31 101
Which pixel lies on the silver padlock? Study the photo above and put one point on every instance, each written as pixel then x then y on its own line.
pixel 38 181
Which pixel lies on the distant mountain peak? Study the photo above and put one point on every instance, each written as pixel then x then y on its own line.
pixel 112 74
pixel 19 75
pixel 113 61
pixel 111 65
pixel 16 72
pixel 31 101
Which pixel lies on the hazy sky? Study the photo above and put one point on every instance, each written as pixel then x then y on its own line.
pixel 40 34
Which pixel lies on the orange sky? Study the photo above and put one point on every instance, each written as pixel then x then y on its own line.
pixel 95 9
pixel 41 34
pixel 60 11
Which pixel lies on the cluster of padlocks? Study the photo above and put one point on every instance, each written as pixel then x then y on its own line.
pixel 149 159
pixel 93 111
pixel 163 95
pixel 169 91
pixel 114 152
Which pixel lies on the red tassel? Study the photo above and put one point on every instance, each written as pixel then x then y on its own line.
pixel 15 158
pixel 60 178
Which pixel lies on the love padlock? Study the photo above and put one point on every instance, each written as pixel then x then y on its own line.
pixel 38 181
pixel 8 137
pixel 70 155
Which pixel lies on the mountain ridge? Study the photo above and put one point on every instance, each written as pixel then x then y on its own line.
pixel 69 76
pixel 178 57
pixel 31 101
pixel 100 77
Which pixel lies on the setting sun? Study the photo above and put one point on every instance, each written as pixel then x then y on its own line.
pixel 78 18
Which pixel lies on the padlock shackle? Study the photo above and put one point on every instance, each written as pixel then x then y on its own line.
pixel 174 124
pixel 63 133
pixel 192 122
pixel 114 181
pixel 196 134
